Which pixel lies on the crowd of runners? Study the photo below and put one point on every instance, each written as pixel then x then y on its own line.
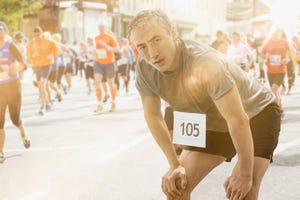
pixel 104 63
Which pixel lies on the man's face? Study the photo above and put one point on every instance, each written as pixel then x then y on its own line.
pixel 220 37
pixel 155 45
pixel 101 28
pixel 36 34
pixel 235 38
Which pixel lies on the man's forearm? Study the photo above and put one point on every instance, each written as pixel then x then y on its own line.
pixel 242 140
pixel 160 133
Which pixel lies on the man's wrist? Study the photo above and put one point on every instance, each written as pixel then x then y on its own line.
pixel 174 163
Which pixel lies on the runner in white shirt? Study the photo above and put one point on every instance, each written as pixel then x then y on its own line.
pixel 240 52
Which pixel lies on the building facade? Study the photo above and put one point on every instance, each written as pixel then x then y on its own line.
pixel 78 19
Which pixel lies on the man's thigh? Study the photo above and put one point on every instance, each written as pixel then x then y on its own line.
pixel 198 165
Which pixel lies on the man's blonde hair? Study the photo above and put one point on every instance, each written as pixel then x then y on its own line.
pixel 143 17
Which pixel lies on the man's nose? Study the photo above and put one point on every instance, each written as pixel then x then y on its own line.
pixel 153 52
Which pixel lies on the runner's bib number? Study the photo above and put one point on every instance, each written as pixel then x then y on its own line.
pixel 101 53
pixel 275 60
pixel 189 129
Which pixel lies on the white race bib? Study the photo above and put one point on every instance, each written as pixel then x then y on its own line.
pixel 275 60
pixel 101 53
pixel 189 129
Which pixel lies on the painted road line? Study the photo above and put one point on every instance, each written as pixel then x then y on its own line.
pixel 37 194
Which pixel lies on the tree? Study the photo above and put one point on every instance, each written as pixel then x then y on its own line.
pixel 13 11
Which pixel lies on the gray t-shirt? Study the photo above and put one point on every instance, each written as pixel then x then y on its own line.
pixel 202 76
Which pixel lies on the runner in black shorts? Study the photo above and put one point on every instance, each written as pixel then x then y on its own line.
pixel 219 110
pixel 12 64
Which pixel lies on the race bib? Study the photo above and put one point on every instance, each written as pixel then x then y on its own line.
pixel 189 129
pixel 101 53
pixel 275 60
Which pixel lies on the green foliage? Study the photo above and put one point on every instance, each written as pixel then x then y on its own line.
pixel 13 11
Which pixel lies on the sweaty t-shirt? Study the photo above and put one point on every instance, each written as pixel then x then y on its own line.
pixel 202 76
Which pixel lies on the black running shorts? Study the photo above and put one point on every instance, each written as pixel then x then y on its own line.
pixel 265 129
pixel 276 79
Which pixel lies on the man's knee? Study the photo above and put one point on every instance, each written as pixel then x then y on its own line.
pixel 186 193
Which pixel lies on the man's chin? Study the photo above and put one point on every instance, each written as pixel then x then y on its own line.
pixel 160 68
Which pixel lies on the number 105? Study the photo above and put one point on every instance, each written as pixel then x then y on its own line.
pixel 190 129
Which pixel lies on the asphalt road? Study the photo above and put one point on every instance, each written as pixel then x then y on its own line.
pixel 76 155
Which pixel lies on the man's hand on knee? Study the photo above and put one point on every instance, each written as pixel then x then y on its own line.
pixel 237 187
pixel 174 181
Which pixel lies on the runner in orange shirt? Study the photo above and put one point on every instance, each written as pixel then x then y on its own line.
pixel 106 45
pixel 40 53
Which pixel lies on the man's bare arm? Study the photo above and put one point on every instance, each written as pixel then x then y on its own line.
pixel 158 127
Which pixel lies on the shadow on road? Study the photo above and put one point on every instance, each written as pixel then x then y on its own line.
pixel 289 161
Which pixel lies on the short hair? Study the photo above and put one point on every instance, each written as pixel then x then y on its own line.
pixel 237 34
pixel 37 29
pixel 220 32
pixel 18 36
pixel 143 18
pixel 102 23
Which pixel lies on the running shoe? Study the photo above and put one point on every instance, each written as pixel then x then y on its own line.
pixel 2 158
pixel 48 108
pixel 26 142
pixel 89 92
pixel 106 97
pixel 41 112
pixel 65 89
pixel 99 109
pixel 113 107
pixel 59 97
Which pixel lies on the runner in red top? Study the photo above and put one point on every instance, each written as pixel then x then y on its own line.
pixel 278 53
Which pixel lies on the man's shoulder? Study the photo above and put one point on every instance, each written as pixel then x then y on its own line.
pixel 196 51
pixel 146 70
pixel 196 48
pixel 142 64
